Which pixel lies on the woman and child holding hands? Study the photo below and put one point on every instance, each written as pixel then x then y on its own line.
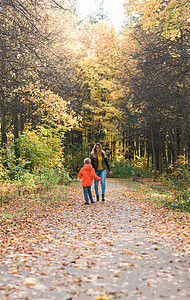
pixel 94 168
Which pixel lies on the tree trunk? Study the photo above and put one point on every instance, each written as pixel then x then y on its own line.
pixel 160 160
pixel 148 153
pixel 154 154
pixel 185 94
pixel 15 125
pixel 21 123
pixel 3 124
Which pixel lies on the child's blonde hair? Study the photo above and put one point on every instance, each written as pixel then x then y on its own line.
pixel 87 161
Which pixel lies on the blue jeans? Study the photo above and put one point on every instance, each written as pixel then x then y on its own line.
pixel 102 174
pixel 87 192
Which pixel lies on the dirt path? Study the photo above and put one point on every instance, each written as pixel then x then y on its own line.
pixel 112 250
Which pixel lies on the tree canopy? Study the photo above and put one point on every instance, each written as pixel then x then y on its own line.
pixel 87 82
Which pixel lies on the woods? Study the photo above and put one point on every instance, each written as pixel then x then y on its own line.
pixel 66 85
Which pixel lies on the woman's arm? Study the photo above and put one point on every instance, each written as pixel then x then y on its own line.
pixel 107 164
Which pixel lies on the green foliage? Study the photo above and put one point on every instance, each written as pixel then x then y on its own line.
pixel 181 202
pixel 75 156
pixel 179 178
pixel 12 170
pixel 49 177
pixel 179 174
pixel 25 178
pixel 3 170
pixel 8 216
pixel 125 169
pixel 40 161
pixel 141 164
pixel 39 149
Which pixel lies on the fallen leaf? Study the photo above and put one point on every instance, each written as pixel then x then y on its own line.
pixel 30 281
pixel 128 251
pixel 13 271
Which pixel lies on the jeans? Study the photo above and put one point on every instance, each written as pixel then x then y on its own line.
pixel 87 192
pixel 102 174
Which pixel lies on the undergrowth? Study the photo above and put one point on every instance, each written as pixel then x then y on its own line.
pixel 126 169
pixel 162 195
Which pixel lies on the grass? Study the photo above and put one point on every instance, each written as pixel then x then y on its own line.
pixel 161 195
pixel 23 206
pixel 9 216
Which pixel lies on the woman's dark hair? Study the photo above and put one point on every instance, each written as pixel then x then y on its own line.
pixel 94 151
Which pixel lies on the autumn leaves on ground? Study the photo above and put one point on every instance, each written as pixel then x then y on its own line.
pixel 54 247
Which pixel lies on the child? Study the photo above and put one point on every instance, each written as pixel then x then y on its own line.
pixel 87 173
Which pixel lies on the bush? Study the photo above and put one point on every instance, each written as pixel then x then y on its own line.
pixel 50 177
pixel 141 164
pixel 13 168
pixel 178 175
pixel 124 169
pixel 181 202
pixel 3 170
pixel 27 179
pixel 39 149
pixel 40 161
pixel 74 157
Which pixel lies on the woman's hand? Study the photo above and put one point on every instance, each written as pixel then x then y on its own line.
pixel 110 172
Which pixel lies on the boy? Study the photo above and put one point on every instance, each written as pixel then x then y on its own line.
pixel 87 173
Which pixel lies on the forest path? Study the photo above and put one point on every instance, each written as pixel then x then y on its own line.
pixel 119 249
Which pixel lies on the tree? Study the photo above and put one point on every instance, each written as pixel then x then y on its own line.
pixel 169 18
pixel 150 69
pixel 27 35
pixel 98 88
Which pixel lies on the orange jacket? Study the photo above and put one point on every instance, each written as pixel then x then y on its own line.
pixel 87 173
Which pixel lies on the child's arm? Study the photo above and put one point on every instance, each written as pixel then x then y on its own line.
pixel 80 174
pixel 95 176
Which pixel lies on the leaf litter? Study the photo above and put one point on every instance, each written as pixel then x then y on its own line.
pixel 55 248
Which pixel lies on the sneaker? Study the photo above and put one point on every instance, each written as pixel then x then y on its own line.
pixel 86 203
pixel 92 202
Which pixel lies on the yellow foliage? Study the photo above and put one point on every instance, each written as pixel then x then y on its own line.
pixel 41 147
pixel 178 167
pixel 50 107
pixel 169 16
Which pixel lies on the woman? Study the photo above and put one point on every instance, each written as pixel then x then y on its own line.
pixel 99 162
